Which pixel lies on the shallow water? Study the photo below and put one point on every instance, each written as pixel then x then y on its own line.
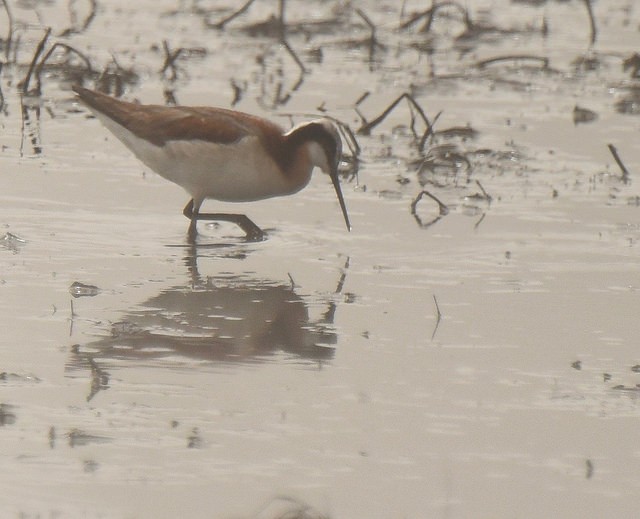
pixel 477 364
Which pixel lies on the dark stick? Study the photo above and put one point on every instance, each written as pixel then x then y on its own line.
pixel 349 137
pixel 294 56
pixel 428 132
pixel 48 54
pixel 477 224
pixel 365 129
pixel 362 97
pixel 443 209
pixel 373 41
pixel 225 21
pixel 170 58
pixel 439 314
pixel 486 195
pixel 282 27
pixel 74 19
pixel 592 21
pixel 438 317
pixel 24 84
pixel 68 48
pixel 513 57
pixel 430 13
pixel 7 49
pixel 91 16
pixel 625 171
pixel 237 93
pixel 1 93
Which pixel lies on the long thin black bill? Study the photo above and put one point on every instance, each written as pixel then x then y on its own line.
pixel 336 185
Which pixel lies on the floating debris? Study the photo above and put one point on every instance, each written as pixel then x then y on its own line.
pixel 125 328
pixel 589 473
pixel 12 242
pixel 622 387
pixel 78 289
pixel 194 440
pixel 629 103
pixel 7 416
pixel 632 63
pixel 90 466
pixel 583 115
pixel 14 377
pixel 79 438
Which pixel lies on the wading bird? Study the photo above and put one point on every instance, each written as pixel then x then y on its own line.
pixel 221 154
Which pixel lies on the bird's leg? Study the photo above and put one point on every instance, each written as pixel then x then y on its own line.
pixel 252 231
pixel 188 209
pixel 192 214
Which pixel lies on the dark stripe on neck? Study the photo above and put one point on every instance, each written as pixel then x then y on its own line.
pixel 284 153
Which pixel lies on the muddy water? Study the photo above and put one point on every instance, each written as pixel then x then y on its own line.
pixel 481 363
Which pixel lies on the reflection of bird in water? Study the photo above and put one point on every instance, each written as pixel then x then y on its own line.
pixel 222 319
pixel 222 154
pixel 231 320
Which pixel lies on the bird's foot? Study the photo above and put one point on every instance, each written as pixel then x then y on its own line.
pixel 252 231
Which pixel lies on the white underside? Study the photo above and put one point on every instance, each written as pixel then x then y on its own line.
pixel 238 172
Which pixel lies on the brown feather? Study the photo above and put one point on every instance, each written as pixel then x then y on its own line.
pixel 159 124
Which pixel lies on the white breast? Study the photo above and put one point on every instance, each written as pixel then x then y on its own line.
pixel 238 172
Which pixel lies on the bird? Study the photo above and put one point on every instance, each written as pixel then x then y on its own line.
pixel 222 154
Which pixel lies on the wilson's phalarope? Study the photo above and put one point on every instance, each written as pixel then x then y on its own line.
pixel 222 154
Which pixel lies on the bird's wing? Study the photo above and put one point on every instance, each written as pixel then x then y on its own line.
pixel 159 124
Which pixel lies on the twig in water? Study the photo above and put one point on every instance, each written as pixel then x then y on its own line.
pixel 513 57
pixel 30 129
pixel 348 135
pixel 443 210
pixel 295 57
pixel 1 93
pixel 45 58
pixel 430 13
pixel 373 41
pixel 428 132
pixel 480 220
pixel 362 97
pixel 439 313
pixel 282 26
pixel 592 21
pixel 486 195
pixel 632 63
pixel 170 58
pixel 328 317
pixel 114 78
pixel 237 92
pixel 357 107
pixel 438 317
pixel 232 16
pixel 7 48
pixel 625 171
pixel 74 29
pixel 24 84
pixel 170 97
pixel 365 129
